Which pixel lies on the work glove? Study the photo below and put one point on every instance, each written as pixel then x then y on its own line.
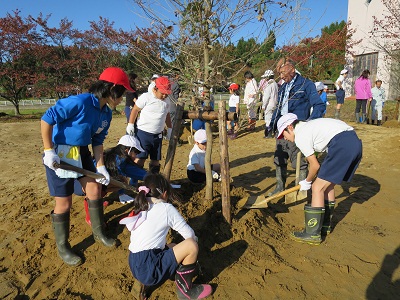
pixel 169 132
pixel 215 175
pixel 130 129
pixel 305 185
pixel 50 157
pixel 103 171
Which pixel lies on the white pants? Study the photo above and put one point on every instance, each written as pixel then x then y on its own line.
pixel 376 107
pixel 268 114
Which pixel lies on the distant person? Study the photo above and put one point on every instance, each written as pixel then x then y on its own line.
pixel 196 168
pixel 378 101
pixel 269 90
pixel 68 128
pixel 154 115
pixel 344 153
pixel 152 261
pixel 250 99
pixel 340 91
pixel 326 90
pixel 362 89
pixel 130 96
pixel 233 103
pixel 322 94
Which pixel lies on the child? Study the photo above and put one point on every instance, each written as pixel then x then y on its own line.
pixel 233 107
pixel 377 103
pixel 151 261
pixel 322 94
pixel 196 167
pixel 154 113
pixel 340 164
pixel 250 99
pixel 67 129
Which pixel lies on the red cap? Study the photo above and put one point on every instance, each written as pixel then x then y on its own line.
pixel 117 76
pixel 163 85
pixel 234 86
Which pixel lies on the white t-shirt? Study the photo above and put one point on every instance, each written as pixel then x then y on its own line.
pixel 196 156
pixel 151 86
pixel 233 100
pixel 153 113
pixel 315 135
pixel 152 233
pixel 250 89
pixel 342 80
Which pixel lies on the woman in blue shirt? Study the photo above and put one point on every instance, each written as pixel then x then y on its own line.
pixel 67 129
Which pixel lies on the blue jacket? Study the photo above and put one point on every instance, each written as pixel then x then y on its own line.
pixel 130 170
pixel 79 121
pixel 302 96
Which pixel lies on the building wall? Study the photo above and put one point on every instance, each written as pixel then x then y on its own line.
pixel 366 54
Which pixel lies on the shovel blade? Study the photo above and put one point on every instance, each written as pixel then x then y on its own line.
pixel 253 202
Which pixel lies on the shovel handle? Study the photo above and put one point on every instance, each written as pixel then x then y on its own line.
pixel 68 167
pixel 276 196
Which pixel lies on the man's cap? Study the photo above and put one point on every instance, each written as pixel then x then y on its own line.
pixel 130 141
pixel 155 76
pixel 325 87
pixel 319 86
pixel 284 122
pixel 200 136
pixel 234 86
pixel 163 85
pixel 117 76
pixel 267 73
pixel 344 71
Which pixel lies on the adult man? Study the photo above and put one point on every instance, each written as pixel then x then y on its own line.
pixel 269 89
pixel 296 95
pixel 340 91
pixel 378 100
pixel 250 99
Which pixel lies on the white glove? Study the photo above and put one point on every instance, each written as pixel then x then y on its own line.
pixel 215 175
pixel 103 171
pixel 305 185
pixel 50 156
pixel 130 129
pixel 169 132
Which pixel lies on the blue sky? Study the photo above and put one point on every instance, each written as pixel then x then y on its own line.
pixel 315 14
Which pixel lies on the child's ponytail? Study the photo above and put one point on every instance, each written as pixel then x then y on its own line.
pixel 141 203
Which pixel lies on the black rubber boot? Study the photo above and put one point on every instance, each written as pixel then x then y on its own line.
pixel 313 217
pixel 357 118
pixel 379 123
pixel 96 212
pixel 266 132
pixel 185 287
pixel 326 225
pixel 364 118
pixel 372 122
pixel 61 231
pixel 281 173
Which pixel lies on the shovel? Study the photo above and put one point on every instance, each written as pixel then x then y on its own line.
pixel 66 166
pixel 262 201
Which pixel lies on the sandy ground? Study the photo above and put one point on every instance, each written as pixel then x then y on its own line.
pixel 253 258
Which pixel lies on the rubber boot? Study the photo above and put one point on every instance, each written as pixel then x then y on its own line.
pixel 364 118
pixel 96 213
pixel 280 180
pixel 266 132
pixel 372 122
pixel 326 225
pixel 313 217
pixel 249 125
pixel 61 232
pixel 357 118
pixel 185 287
pixel 379 123
pixel 87 216
pixel 337 114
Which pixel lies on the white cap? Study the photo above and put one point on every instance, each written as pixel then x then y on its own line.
pixel 130 141
pixel 284 122
pixel 344 71
pixel 155 76
pixel 267 73
pixel 325 87
pixel 200 136
pixel 319 86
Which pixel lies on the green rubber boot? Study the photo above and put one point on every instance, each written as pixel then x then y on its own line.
pixel 326 225
pixel 96 212
pixel 61 231
pixel 313 217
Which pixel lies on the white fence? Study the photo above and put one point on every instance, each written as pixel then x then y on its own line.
pixel 37 102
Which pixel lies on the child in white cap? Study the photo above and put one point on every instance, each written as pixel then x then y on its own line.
pixel 196 166
pixel 344 152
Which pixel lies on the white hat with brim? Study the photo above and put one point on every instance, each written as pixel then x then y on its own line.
pixel 344 71
pixel 200 136
pixel 319 86
pixel 130 141
pixel 267 73
pixel 284 122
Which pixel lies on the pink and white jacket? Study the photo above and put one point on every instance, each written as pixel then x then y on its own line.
pixel 362 88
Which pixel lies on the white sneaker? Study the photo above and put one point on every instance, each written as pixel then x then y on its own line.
pixel 124 198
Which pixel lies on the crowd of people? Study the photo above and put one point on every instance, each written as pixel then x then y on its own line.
pixel 294 111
